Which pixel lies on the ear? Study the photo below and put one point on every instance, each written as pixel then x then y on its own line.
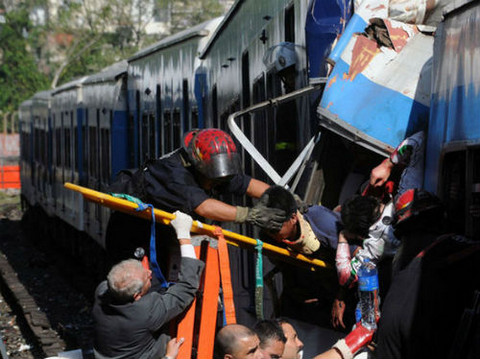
pixel 228 356
pixel 294 218
pixel 137 296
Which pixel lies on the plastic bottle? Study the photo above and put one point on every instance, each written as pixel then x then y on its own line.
pixel 368 294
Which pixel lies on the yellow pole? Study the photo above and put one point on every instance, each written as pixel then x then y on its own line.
pixel 232 238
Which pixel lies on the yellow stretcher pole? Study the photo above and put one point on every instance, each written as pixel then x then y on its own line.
pixel 232 238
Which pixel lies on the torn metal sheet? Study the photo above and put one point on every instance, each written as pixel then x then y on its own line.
pixel 381 88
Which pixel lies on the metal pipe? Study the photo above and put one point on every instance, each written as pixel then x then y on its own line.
pixel 232 238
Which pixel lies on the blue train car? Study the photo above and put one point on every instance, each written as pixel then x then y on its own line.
pixel 102 146
pixel 42 150
pixel 161 84
pixel 67 112
pixel 26 151
pixel 453 147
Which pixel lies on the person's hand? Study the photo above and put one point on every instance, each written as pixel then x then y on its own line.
pixel 173 346
pixel 354 341
pixel 182 225
pixel 380 174
pixel 266 217
pixel 338 310
pixel 359 337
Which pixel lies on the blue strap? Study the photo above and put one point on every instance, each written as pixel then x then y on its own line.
pixel 259 281
pixel 153 252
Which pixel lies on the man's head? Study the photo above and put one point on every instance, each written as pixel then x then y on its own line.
pixel 293 345
pixel 272 339
pixel 281 198
pixel 129 280
pixel 236 341
pixel 212 153
pixel 358 215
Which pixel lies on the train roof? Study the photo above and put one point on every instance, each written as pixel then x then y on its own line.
pixel 70 85
pixel 230 14
pixel 110 73
pixel 200 30
pixel 43 95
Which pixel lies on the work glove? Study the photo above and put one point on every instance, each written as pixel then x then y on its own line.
pixel 182 225
pixel 354 341
pixel 261 215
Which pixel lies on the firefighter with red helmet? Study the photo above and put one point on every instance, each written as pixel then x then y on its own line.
pixel 187 179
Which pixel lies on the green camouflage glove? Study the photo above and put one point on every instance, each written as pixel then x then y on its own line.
pixel 260 215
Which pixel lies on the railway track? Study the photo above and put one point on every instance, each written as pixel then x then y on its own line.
pixel 43 310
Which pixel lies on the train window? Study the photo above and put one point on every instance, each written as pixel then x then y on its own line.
pixel 260 131
pixel 136 133
pixel 144 154
pixel 93 147
pixel 158 119
pixel 194 117
pixel 214 106
pixel 186 105
pixel 245 80
pixel 290 24
pixel 85 146
pixel 167 131
pixel 177 128
pixel 461 191
pixel 105 155
pixel 282 121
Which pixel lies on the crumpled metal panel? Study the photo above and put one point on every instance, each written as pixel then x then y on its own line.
pixel 380 85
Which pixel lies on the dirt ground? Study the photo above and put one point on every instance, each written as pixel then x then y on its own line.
pixel 49 277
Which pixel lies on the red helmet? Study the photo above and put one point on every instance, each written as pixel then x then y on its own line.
pixel 415 202
pixel 212 152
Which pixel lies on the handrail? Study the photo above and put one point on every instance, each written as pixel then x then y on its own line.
pixel 232 238
pixel 250 148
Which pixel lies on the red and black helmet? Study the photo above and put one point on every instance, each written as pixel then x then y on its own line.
pixel 414 203
pixel 212 152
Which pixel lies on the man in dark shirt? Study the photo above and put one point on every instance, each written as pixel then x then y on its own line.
pixel 128 316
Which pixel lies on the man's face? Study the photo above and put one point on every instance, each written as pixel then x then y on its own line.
pixel 246 348
pixel 288 230
pixel 294 345
pixel 272 349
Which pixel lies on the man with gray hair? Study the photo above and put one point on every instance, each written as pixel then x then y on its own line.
pixel 128 316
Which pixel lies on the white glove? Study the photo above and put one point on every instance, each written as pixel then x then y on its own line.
pixel 182 224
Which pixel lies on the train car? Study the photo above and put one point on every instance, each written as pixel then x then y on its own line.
pixel 67 112
pixel 161 93
pixel 102 145
pixel 453 146
pixel 26 152
pixel 42 151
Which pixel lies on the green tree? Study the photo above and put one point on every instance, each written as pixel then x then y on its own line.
pixel 19 75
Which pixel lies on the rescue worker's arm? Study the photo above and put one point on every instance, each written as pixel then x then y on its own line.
pixel 400 157
pixel 352 343
pixel 256 188
pixel 260 214
pixel 342 260
pixel 216 210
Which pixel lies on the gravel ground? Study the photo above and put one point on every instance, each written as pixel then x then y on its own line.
pixel 51 278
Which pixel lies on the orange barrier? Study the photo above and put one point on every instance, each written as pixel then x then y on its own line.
pixel 9 177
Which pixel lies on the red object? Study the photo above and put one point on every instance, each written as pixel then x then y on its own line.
pixel 10 177
pixel 212 152
pixel 358 338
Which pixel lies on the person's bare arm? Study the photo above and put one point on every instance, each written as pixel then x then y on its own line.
pixel 256 188
pixel 216 210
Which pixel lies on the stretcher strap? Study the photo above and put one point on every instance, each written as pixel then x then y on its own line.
pixel 229 306
pixel 186 326
pixel 259 281
pixel 153 251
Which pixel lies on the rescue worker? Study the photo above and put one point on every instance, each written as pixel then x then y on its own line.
pixel 188 179
pixel 272 339
pixel 435 277
pixel 236 341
